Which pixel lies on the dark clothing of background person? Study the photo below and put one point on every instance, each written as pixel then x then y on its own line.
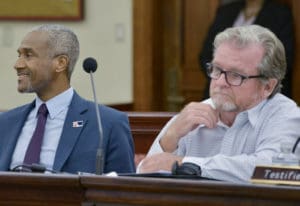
pixel 273 15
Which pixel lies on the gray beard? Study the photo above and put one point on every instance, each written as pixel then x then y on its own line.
pixel 225 106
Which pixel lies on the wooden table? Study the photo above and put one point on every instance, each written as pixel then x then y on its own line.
pixel 60 189
pixel 166 192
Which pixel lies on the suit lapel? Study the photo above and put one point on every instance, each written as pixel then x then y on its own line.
pixel 17 119
pixel 74 124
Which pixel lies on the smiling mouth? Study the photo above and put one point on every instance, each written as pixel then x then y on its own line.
pixel 22 74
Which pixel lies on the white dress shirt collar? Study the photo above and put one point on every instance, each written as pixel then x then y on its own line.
pixel 56 104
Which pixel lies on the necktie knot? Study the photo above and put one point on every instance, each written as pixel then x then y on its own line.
pixel 43 110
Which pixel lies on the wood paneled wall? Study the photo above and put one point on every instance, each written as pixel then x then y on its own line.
pixel 198 16
pixel 295 5
pixel 148 81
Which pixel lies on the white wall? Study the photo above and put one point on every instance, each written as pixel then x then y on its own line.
pixel 98 36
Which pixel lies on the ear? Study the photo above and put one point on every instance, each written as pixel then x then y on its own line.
pixel 269 87
pixel 62 62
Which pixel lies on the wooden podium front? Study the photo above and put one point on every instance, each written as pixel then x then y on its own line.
pixel 166 192
pixel 85 190
pixel 40 189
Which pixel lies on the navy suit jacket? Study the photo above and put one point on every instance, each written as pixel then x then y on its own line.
pixel 76 151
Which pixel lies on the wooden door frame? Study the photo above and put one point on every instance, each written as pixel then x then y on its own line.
pixel 146 56
pixel 157 54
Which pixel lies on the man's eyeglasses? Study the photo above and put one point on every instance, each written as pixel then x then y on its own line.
pixel 232 78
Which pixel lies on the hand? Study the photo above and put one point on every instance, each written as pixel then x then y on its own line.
pixel 192 115
pixel 138 158
pixel 157 162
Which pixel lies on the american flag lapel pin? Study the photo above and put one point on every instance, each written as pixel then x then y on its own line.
pixel 77 123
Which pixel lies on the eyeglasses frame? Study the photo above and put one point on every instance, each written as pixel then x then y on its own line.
pixel 209 66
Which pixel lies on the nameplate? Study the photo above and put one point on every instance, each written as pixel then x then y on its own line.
pixel 284 175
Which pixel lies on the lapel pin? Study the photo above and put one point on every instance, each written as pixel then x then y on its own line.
pixel 77 123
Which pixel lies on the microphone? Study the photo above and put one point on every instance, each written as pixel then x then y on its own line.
pixel 90 66
pixel 186 168
pixel 295 145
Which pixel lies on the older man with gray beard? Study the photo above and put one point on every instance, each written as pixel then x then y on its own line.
pixel 246 119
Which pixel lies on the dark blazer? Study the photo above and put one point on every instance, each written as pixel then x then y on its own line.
pixel 77 145
pixel 274 16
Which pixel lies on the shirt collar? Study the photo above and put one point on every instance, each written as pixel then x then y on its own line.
pixel 253 113
pixel 56 104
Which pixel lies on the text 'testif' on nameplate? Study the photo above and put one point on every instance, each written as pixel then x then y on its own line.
pixel 280 175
